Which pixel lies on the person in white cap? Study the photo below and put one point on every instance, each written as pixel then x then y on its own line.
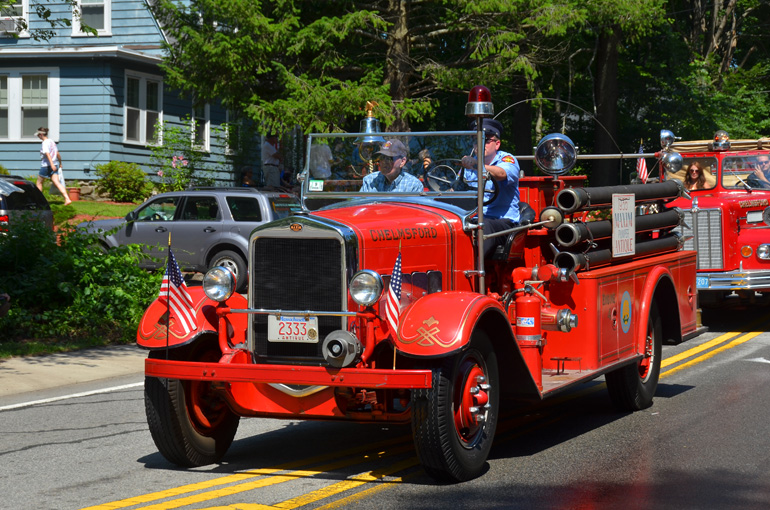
pixel 503 212
pixel 391 177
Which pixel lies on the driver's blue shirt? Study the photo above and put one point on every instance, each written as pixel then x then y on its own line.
pixel 404 183
pixel 506 205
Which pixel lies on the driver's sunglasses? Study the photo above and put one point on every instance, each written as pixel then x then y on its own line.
pixel 390 158
pixel 491 139
pixel 763 162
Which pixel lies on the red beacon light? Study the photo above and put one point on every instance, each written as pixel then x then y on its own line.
pixel 721 141
pixel 479 102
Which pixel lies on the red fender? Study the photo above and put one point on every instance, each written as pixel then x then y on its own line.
pixel 152 331
pixel 441 323
pixel 648 291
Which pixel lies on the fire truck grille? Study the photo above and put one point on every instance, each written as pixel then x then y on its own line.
pixel 296 274
pixel 709 237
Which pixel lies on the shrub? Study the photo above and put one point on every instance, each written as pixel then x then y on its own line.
pixel 4 171
pixel 179 164
pixel 124 182
pixel 71 289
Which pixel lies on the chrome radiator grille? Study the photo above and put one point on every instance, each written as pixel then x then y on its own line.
pixel 709 237
pixel 296 274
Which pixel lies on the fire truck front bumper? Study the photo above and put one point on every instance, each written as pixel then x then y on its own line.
pixel 734 280
pixel 288 374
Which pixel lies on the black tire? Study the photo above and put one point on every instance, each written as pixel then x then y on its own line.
pixel 451 443
pixel 632 387
pixel 235 263
pixel 190 425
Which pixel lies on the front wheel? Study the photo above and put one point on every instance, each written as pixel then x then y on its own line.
pixel 190 424
pixel 632 387
pixel 454 422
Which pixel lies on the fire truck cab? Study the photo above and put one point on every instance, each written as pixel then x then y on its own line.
pixel 562 301
pixel 727 213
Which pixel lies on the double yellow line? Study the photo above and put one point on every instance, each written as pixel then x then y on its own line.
pixel 742 337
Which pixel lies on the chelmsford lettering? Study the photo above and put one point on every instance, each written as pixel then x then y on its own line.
pixel 394 234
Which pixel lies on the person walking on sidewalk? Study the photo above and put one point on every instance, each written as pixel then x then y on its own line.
pixel 49 164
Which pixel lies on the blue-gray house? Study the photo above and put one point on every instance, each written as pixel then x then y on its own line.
pixel 100 97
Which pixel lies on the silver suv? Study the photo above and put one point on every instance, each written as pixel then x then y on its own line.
pixel 15 205
pixel 208 227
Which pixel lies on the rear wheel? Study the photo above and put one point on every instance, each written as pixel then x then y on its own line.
pixel 190 424
pixel 632 387
pixel 235 263
pixel 454 422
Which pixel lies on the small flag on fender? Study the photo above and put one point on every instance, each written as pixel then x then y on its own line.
pixel 174 291
pixel 393 301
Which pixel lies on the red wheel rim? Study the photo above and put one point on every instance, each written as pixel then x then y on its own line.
pixel 205 407
pixel 471 397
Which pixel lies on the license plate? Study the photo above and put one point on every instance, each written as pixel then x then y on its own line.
pixel 702 282
pixel 286 328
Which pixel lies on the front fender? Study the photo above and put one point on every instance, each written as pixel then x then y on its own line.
pixel 153 332
pixel 440 324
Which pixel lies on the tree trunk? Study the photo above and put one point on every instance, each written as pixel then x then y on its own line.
pixel 520 124
pixel 398 68
pixel 606 172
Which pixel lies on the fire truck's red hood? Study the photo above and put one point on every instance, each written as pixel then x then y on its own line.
pixel 425 235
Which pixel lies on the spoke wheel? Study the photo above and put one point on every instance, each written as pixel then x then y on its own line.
pixel 454 422
pixel 632 387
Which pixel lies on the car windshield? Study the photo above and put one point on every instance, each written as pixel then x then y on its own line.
pixel 739 171
pixel 696 173
pixel 396 164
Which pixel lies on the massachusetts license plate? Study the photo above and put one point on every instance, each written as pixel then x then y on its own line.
pixel 285 328
pixel 702 282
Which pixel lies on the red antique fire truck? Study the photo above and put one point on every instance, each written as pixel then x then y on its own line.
pixel 728 213
pixel 561 302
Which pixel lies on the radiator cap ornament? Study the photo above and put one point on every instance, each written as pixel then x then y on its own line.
pixel 295 227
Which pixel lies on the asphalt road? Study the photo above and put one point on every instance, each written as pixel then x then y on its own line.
pixel 703 444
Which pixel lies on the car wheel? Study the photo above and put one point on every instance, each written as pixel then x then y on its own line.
pixel 235 263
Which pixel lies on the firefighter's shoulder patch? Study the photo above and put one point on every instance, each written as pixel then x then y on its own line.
pixel 508 159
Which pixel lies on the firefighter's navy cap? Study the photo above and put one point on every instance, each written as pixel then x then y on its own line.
pixel 393 148
pixel 490 127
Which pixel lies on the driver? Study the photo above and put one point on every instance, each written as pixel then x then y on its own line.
pixel 390 176
pixel 503 212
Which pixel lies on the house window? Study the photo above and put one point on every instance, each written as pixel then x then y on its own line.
pixel 97 14
pixel 200 127
pixel 3 107
pixel 29 100
pixel 14 18
pixel 144 109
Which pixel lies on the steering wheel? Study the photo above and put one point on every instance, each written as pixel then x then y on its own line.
pixel 444 177
pixel 156 217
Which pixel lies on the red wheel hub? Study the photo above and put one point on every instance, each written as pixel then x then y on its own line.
pixel 471 399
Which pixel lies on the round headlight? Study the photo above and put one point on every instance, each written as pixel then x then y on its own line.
pixel 219 283
pixel 366 287
pixel 763 252
pixel 671 162
pixel 555 154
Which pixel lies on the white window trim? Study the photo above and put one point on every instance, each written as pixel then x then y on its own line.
pixel 105 32
pixel 142 77
pixel 206 134
pixel 14 103
pixel 229 151
pixel 25 17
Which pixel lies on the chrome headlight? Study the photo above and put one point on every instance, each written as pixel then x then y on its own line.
pixel 366 287
pixel 555 154
pixel 763 252
pixel 219 283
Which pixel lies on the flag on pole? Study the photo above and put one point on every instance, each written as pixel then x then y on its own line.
pixel 641 166
pixel 393 301
pixel 174 291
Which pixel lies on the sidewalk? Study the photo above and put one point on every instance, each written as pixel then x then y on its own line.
pixel 35 373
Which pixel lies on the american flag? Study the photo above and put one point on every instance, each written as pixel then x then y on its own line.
pixel 641 166
pixel 393 301
pixel 173 289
